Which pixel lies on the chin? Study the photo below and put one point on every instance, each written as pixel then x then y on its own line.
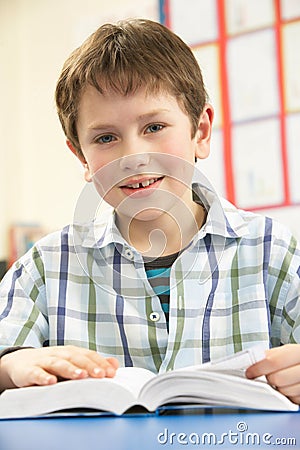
pixel 146 215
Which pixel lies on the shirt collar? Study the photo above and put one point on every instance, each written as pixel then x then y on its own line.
pixel 102 232
pixel 223 219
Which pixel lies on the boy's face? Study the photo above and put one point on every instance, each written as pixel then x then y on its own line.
pixel 139 149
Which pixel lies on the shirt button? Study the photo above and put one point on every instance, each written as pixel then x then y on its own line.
pixel 128 253
pixel 154 316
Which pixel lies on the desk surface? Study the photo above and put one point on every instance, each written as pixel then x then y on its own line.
pixel 222 430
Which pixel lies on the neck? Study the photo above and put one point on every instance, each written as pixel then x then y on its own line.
pixel 165 234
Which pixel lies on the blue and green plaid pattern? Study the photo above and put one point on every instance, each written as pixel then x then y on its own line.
pixel 86 286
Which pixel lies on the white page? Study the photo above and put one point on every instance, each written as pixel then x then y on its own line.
pixel 133 378
pixel 238 361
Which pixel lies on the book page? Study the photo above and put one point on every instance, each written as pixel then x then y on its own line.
pixel 221 383
pixel 133 378
pixel 237 361
pixel 107 394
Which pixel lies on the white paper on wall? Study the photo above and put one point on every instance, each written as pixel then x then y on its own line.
pixel 245 15
pixel 290 9
pixel 194 20
pixel 293 145
pixel 252 73
pixel 291 65
pixel 257 163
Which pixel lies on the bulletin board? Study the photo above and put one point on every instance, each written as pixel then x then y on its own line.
pixel 248 51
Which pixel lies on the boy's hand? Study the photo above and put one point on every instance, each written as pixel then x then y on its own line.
pixel 46 365
pixel 281 367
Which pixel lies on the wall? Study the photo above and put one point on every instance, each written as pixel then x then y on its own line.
pixel 39 177
pixel 249 54
pixel 40 180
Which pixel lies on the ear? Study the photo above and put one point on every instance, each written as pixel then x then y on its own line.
pixel 87 173
pixel 203 133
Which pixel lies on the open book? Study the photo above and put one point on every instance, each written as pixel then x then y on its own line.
pixel 222 383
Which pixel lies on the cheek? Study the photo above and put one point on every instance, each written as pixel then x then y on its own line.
pixel 106 176
pixel 179 162
pixel 99 167
pixel 181 146
pixel 173 146
pixel 95 164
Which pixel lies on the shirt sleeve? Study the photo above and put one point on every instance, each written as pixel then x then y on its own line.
pixel 284 287
pixel 290 328
pixel 23 319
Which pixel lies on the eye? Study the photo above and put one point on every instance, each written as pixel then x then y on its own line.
pixel 154 128
pixel 105 139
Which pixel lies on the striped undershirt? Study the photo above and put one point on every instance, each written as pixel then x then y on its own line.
pixel 158 273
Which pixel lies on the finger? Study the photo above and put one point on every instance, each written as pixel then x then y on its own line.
pixel 34 376
pixel 296 399
pixel 285 377
pixel 95 364
pixel 276 359
pixel 108 365
pixel 62 368
pixel 114 362
pixel 102 367
pixel 89 360
pixel 292 391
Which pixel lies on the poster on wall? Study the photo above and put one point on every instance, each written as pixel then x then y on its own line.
pixel 195 21
pixel 251 66
pixel 253 83
pixel 293 140
pixel 257 163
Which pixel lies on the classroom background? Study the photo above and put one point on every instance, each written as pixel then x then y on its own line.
pixel 249 55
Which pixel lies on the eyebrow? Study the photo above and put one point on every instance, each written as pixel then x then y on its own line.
pixel 148 115
pixel 153 113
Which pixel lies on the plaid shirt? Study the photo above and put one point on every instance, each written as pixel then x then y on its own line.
pixel 237 284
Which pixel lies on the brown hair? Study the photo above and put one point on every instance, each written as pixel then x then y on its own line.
pixel 125 57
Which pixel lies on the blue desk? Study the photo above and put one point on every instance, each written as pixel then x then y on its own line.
pixel 239 431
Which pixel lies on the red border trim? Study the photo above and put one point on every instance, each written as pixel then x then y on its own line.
pixel 226 113
pixel 281 94
pixel 167 14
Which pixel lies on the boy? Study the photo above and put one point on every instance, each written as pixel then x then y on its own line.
pixel 173 277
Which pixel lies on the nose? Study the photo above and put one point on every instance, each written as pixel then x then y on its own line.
pixel 135 162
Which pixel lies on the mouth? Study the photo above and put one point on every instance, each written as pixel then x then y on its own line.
pixel 142 184
pixel 142 187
